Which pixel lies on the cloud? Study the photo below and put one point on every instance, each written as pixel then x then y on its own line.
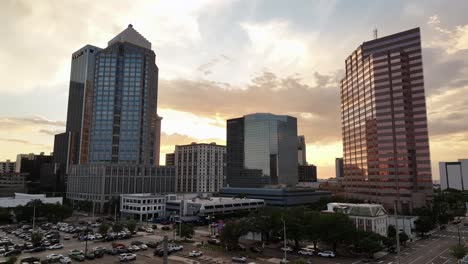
pixel 266 93
pixel 22 141
pixel 50 132
pixel 451 40
pixel 206 68
pixel 23 122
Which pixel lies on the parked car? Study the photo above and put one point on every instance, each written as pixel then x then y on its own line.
pixel 287 249
pixel 65 260
pixel 12 252
pixel 160 252
pixel 255 249
pixel 306 252
pixel 195 253
pixel 30 260
pixel 327 254
pixel 78 257
pixel 173 248
pixel 166 228
pixel 152 244
pixel 143 247
pixel 149 230
pixel 239 259
pixel 56 246
pixel 214 241
pixel 127 257
pixel 54 257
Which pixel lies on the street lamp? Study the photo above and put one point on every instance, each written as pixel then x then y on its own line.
pixel 284 236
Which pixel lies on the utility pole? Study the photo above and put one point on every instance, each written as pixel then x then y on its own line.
pixel 34 217
pixel 94 204
pixel 397 232
pixel 86 240
pixel 165 250
pixel 459 237
pixel 180 229
pixel 285 244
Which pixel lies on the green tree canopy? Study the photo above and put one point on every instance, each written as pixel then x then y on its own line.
pixel 186 230
pixel 231 233
pixel 117 227
pixel 458 251
pixel 103 229
pixel 131 225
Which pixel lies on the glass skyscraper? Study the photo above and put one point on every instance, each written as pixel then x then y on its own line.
pixel 384 123
pixel 262 150
pixel 124 119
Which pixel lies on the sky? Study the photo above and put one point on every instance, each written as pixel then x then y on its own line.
pixel 224 59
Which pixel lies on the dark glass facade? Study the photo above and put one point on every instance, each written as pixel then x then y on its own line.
pixel 261 150
pixel 384 123
pixel 124 120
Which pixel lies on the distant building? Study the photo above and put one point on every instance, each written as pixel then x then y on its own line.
pixel 307 173
pixel 31 165
pixel 406 224
pixel 11 183
pixel 301 151
pixel 211 206
pixel 102 182
pixel 384 123
pixel 283 197
pixel 339 167
pixel 367 217
pixel 142 206
pixel 262 151
pixel 200 167
pixel 23 199
pixel 170 159
pixel 454 175
pixel 7 166
pixel 333 185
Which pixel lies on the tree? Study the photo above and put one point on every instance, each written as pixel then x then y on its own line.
pixel 368 242
pixel 403 238
pixel 423 225
pixel 268 222
pixel 131 225
pixel 117 227
pixel 186 231
pixel 313 227
pixel 36 238
pixel 103 229
pixel 336 228
pixel 11 260
pixel 391 231
pixel 295 220
pixel 231 233
pixel 4 216
pixel 458 251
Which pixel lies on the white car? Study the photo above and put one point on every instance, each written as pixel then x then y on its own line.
pixel 173 248
pixel 65 260
pixel 143 247
pixel 195 253
pixel 287 249
pixel 239 259
pixel 66 237
pixel 149 230
pixel 327 254
pixel 306 252
pixel 98 236
pixel 54 256
pixel 56 246
pixel 127 257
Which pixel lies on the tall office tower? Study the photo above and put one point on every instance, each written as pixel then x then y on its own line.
pixel 124 119
pixel 262 150
pixel 170 159
pixel 339 167
pixel 301 151
pixel 200 167
pixel 384 123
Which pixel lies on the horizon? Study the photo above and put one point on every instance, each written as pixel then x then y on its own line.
pixel 221 60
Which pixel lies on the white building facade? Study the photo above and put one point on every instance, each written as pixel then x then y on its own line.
pixel 367 217
pixel 142 206
pixel 200 168
pixel 454 175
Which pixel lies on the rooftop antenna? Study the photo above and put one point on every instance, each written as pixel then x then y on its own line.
pixel 375 33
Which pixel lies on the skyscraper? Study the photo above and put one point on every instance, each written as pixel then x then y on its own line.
pixel 262 150
pixel 124 118
pixel 301 151
pixel 384 123
pixel 339 171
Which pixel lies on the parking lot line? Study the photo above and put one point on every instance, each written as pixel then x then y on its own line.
pixel 415 259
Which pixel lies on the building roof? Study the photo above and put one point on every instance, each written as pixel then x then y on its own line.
pixel 130 35
pixel 368 210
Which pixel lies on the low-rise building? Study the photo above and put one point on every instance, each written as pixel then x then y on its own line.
pixel 102 182
pixel 7 166
pixel 142 206
pixel 283 197
pixel 206 206
pixel 406 223
pixel 23 199
pixel 11 183
pixel 367 217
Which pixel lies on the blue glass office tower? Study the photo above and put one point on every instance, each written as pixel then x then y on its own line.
pixel 124 119
pixel 262 150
